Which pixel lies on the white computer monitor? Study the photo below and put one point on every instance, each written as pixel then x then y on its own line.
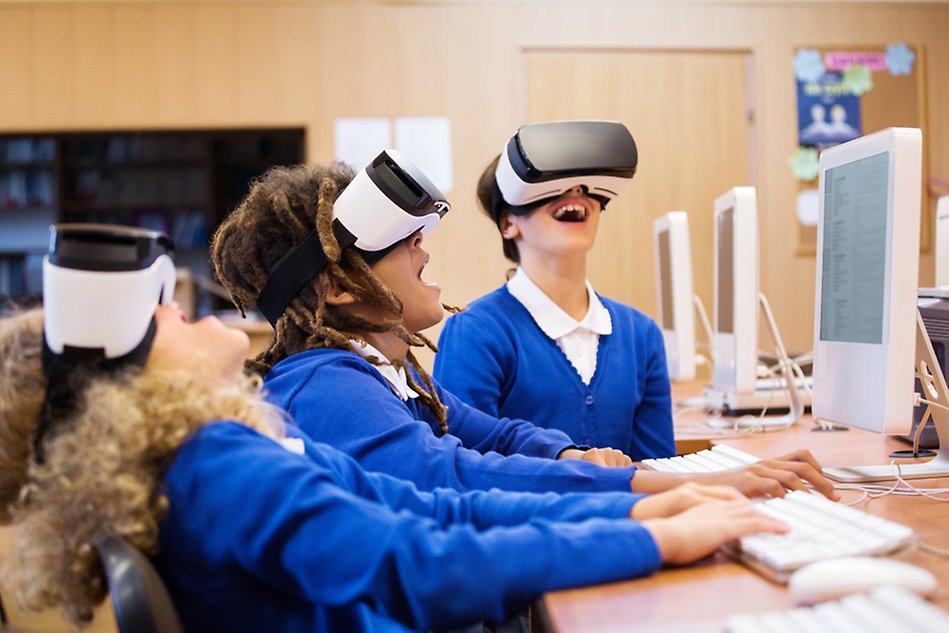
pixel 867 272
pixel 673 257
pixel 735 306
pixel 942 243
pixel 865 317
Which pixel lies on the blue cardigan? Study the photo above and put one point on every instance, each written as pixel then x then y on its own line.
pixel 339 398
pixel 258 538
pixel 495 357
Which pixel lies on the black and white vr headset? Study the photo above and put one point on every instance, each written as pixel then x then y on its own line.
pixel 385 203
pixel 101 286
pixel 544 160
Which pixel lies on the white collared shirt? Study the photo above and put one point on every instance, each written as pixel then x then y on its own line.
pixel 578 340
pixel 395 377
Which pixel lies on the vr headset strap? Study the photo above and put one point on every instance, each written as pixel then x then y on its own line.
pixel 294 270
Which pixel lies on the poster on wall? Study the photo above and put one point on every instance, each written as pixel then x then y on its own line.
pixel 843 93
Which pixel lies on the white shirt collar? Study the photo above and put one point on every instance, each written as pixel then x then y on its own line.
pixel 395 377
pixel 550 317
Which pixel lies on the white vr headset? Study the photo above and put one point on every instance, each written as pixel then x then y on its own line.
pixel 385 203
pixel 101 286
pixel 544 160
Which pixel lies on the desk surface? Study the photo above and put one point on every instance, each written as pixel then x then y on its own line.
pixel 701 596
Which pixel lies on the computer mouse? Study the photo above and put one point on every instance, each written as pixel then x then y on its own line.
pixel 837 577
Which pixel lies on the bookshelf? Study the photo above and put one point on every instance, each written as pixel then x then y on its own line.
pixel 183 182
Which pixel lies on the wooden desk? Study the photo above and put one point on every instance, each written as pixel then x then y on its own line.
pixel 701 596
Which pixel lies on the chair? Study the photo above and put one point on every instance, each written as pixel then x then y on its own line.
pixel 140 601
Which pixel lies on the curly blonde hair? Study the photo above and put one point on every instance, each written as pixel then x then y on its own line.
pixel 283 208
pixel 103 466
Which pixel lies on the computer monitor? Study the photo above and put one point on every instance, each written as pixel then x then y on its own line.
pixel 673 258
pixel 865 316
pixel 942 243
pixel 735 345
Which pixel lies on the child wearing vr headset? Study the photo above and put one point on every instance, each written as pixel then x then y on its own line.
pixel 119 418
pixel 545 346
pixel 336 265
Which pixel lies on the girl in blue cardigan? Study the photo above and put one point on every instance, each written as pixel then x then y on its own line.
pixel 545 346
pixel 350 309
pixel 148 430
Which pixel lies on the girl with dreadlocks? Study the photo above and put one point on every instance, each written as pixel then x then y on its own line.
pixel 119 419
pixel 337 268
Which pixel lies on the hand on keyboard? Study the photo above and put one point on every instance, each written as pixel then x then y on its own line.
pixel 819 530
pixel 772 477
pixel 700 530
pixel 677 500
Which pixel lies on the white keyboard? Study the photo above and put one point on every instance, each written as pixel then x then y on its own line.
pixel 719 457
pixel 883 610
pixel 820 529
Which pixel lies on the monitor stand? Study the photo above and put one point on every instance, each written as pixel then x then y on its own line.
pixel 928 373
pixel 790 377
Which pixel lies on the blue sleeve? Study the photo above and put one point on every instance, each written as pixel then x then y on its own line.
pixel 471 362
pixel 325 533
pixel 349 406
pixel 483 432
pixel 652 421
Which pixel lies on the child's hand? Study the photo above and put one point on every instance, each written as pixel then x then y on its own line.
pixel 680 499
pixel 774 476
pixel 609 457
pixel 702 529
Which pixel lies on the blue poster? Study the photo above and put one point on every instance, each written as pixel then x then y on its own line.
pixel 828 112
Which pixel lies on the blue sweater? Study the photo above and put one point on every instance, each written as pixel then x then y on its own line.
pixel 339 398
pixel 495 357
pixel 261 539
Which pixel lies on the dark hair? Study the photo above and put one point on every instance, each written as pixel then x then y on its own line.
pixel 491 202
pixel 283 208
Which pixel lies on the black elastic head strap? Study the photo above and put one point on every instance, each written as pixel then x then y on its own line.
pixel 67 374
pixel 299 265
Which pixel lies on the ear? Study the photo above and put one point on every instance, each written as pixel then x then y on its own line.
pixel 336 295
pixel 509 229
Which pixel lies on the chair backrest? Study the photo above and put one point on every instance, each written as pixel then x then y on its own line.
pixel 140 600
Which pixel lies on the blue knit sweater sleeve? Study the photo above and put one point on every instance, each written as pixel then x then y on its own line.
pixel 473 360
pixel 317 529
pixel 484 432
pixel 347 404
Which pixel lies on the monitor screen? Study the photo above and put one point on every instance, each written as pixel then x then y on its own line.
pixel 667 321
pixel 726 273
pixel 854 251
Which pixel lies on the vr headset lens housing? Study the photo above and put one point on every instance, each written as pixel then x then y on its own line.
pixel 388 201
pixel 544 160
pixel 101 286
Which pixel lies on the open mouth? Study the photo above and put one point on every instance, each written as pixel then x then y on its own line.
pixel 570 213
pixel 421 270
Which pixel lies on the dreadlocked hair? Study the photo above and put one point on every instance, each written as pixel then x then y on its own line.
pixel 283 207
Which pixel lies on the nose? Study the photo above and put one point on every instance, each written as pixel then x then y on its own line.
pixel 578 190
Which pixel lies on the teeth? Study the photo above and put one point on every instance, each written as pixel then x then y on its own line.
pixel 572 212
